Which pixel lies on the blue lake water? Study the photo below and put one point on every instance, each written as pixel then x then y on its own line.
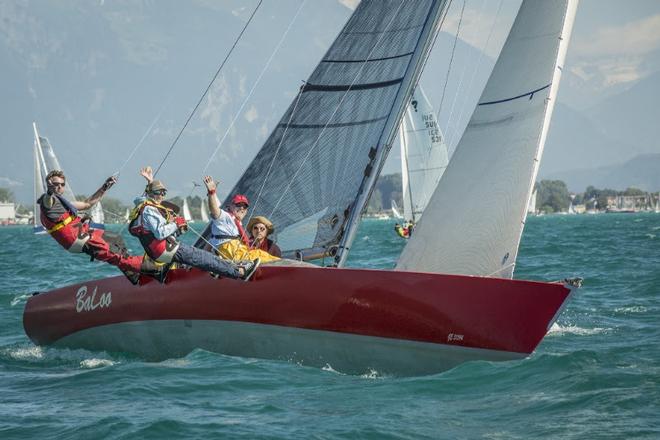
pixel 596 374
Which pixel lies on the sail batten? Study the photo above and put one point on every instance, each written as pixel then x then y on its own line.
pixel 313 174
pixel 474 221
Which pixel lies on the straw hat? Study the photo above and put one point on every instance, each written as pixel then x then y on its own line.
pixel 155 186
pixel 263 220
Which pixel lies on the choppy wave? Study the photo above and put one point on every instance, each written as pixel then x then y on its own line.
pixel 595 373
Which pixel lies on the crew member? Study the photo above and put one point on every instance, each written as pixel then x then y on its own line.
pixel 401 231
pixel 157 228
pixel 228 236
pixel 60 218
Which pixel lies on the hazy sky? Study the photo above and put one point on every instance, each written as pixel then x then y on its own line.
pixel 98 88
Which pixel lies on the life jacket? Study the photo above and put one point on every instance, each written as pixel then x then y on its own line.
pixel 242 235
pixel 161 251
pixel 68 230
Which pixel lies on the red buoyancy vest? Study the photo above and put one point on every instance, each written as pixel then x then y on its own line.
pixel 160 250
pixel 68 230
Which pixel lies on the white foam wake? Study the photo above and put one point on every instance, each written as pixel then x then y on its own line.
pixel 559 330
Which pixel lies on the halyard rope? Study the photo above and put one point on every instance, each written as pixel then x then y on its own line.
pixel 208 87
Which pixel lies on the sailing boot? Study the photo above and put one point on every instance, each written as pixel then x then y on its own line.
pixel 250 268
pixel 151 268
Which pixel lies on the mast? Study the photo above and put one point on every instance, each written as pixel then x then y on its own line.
pixel 383 146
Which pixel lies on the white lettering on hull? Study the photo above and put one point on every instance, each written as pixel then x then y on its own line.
pixel 88 303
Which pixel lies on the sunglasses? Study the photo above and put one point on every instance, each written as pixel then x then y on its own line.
pixel 160 192
pixel 241 206
pixel 62 184
pixel 259 228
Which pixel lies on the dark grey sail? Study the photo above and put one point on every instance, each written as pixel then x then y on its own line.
pixel 314 174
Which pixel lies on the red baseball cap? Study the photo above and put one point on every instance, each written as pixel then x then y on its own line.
pixel 240 198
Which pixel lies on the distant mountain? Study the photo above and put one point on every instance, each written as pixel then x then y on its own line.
pixel 641 172
pixel 575 141
pixel 631 116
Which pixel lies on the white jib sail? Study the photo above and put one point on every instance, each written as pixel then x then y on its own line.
pixel 474 220
pixel 186 211
pixel 423 155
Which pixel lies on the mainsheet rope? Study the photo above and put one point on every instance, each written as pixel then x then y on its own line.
pixel 199 102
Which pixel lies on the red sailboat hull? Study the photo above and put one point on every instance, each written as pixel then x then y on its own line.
pixel 353 320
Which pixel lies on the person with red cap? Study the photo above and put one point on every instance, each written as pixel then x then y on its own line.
pixel 228 235
pixel 157 227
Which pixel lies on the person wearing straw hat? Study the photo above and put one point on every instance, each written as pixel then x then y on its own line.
pixel 228 236
pixel 157 227
pixel 260 228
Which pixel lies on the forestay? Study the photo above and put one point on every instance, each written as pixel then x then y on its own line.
pixel 474 221
pixel 313 175
pixel 423 155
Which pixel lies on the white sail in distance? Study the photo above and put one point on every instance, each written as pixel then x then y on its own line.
pixel 423 155
pixel 531 208
pixel 475 218
pixel 46 161
pixel 204 212
pixel 186 211
pixel 395 210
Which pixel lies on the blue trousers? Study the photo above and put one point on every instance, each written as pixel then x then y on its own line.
pixel 201 259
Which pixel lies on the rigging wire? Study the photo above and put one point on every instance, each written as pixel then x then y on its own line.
pixel 144 136
pixel 254 86
pixel 231 50
pixel 460 81
pixel 451 59
pixel 474 73
pixel 318 138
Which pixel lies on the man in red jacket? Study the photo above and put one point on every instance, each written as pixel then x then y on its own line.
pixel 61 220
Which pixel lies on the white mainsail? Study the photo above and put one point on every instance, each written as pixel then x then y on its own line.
pixel 204 213
pixel 423 155
pixel 489 180
pixel 186 211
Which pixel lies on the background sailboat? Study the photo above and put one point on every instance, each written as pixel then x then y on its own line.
pixel 46 161
pixel 424 155
pixel 204 212
pixel 186 211
pixel 396 212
